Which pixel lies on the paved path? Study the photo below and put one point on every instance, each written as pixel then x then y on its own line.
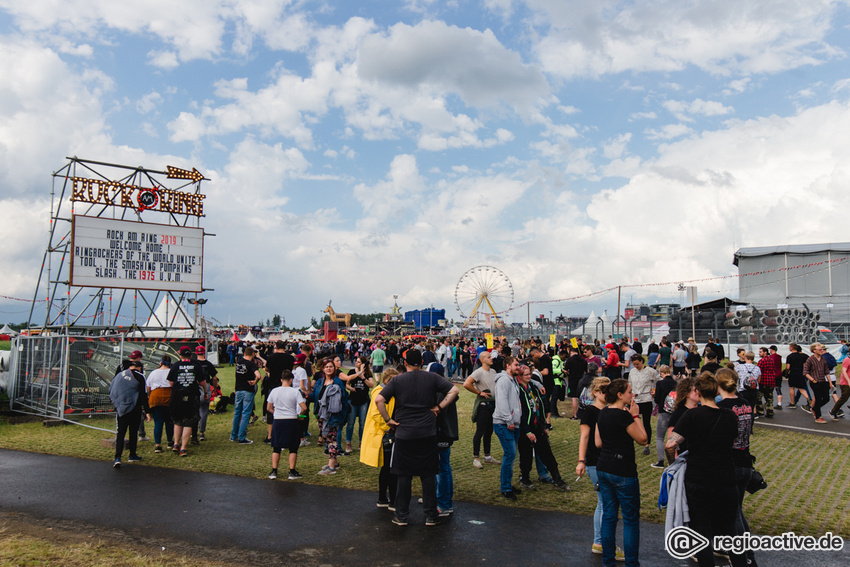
pixel 302 523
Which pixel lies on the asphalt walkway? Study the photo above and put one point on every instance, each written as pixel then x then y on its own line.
pixel 302 523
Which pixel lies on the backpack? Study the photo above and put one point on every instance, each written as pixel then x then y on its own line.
pixel 670 402
pixel 586 398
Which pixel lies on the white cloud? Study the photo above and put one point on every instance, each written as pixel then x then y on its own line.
pixel 615 147
pixel 685 110
pixel 668 132
pixel 148 102
pixel 642 116
pixel 594 38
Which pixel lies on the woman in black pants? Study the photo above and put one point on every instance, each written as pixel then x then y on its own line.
pixel 643 379
pixel 710 483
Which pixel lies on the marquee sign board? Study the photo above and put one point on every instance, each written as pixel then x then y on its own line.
pixel 110 253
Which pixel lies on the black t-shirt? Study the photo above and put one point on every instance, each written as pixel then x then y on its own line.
pixel 653 347
pixel 415 394
pixel 360 395
pixel 637 347
pixel 744 412
pixel 617 455
pixel 662 388
pixel 277 362
pixel 577 367
pixel 245 370
pixel 208 368
pixel 795 362
pixel 674 419
pixel 712 367
pixel 186 374
pixel 589 417
pixel 711 433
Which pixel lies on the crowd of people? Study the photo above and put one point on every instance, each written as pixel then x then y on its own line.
pixel 400 399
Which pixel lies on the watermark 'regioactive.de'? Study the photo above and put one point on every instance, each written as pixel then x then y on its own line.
pixel 683 542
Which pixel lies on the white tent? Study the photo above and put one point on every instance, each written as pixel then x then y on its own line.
pixel 167 314
pixel 312 329
pixel 7 330
pixel 249 337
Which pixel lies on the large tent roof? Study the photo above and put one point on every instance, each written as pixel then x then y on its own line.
pixel 7 330
pixel 842 247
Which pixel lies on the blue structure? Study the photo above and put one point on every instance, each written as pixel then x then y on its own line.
pixel 424 317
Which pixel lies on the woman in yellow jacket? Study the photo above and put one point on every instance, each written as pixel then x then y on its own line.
pixel 374 451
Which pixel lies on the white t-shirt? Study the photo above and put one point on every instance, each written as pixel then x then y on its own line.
pixel 299 376
pixel 286 402
pixel 158 379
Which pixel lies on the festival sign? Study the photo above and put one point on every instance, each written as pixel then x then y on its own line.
pixel 112 253
pixel 106 192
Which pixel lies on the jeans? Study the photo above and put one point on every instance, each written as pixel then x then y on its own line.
pixel 356 412
pixel 128 422
pixel 445 481
pixel 162 416
pixel 660 431
pixel 620 492
pixel 821 392
pixel 450 368
pixel 429 496
pixel 742 479
pixel 483 430
pixel 765 401
pixel 242 408
pixel 713 510
pixel 597 514
pixel 509 440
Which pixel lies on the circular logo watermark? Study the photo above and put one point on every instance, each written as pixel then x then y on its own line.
pixel 683 542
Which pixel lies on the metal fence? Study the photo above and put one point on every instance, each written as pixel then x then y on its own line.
pixel 68 377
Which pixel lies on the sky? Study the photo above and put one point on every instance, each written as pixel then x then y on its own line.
pixel 358 150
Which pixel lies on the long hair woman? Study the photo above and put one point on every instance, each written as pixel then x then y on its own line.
pixel 331 410
pixel 618 428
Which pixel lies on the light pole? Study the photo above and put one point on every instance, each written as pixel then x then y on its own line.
pixel 196 301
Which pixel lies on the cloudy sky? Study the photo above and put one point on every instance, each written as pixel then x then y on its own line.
pixel 357 150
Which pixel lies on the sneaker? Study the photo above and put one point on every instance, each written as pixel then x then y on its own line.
pixel 509 495
pixel 777 407
pixel 596 548
pixel 491 461
pixel 273 474
pixel 294 474
pixel 792 406
pixel 116 464
pixel 820 420
pixel 254 420
pixel 245 441
pixel 516 490
pixel 432 521
pixel 326 471
pixel 176 448
pixel 618 553
pixel 560 485
pixel 183 453
pixel 545 479
pixel 195 441
pixel 839 414
pixel 421 501
pixel 477 464
pixel 134 459
pixel 445 513
pixel 646 450
pixel 391 507
pixel 806 408
pixel 144 438
pixel 383 504
pixel 399 522
pixel 658 465
pixel 757 416
pixel 304 443
pixel 233 440
pixel 526 485
pixel 201 436
pixel 157 449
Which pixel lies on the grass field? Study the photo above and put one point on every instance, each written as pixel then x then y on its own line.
pixel 5 345
pixel 809 492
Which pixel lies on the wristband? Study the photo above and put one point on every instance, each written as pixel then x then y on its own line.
pixel 582 461
pixel 636 416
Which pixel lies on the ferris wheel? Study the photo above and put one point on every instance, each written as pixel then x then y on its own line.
pixel 484 292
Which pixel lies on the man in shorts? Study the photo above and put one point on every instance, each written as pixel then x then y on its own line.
pixel 186 379
pixel 287 405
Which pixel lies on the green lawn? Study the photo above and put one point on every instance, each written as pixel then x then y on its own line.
pixel 5 345
pixel 809 492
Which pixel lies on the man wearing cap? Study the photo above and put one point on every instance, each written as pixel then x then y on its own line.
pixel 129 396
pixel 186 378
pixel 415 423
pixel 135 356
pixel 210 372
